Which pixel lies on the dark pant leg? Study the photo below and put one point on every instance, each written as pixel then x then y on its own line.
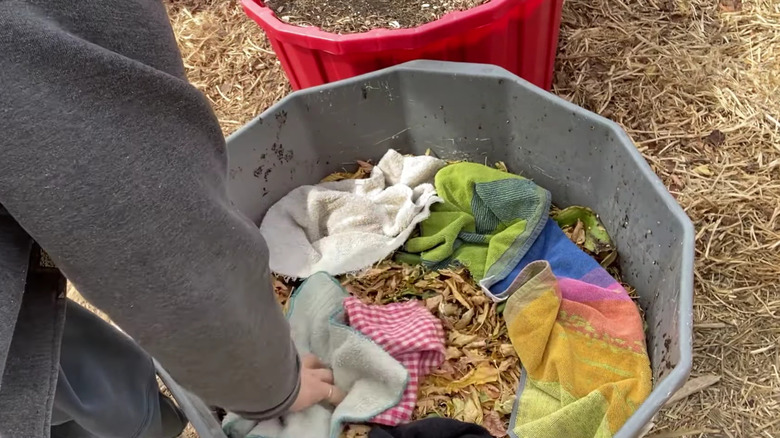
pixel 107 385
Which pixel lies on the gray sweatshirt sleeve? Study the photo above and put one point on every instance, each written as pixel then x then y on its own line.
pixel 116 165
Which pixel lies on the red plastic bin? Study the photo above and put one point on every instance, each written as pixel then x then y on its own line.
pixel 518 35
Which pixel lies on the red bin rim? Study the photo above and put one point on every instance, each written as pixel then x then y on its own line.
pixel 376 40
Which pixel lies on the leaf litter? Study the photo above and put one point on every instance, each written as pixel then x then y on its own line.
pixel 478 380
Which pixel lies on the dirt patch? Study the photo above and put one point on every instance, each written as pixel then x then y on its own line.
pixel 352 16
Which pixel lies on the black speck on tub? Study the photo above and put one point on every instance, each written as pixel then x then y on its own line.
pixel 258 171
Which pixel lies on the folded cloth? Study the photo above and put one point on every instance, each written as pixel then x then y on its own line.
pixel 566 259
pixel 345 226
pixel 372 380
pixel 487 222
pixel 582 346
pixel 432 428
pixel 411 334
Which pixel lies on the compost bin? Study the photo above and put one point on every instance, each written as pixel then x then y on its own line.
pixel 485 114
pixel 521 36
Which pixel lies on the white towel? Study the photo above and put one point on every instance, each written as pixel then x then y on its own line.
pixel 372 380
pixel 345 226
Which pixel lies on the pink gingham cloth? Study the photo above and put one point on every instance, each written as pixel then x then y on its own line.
pixel 409 333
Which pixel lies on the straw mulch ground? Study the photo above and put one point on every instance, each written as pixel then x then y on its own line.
pixel 696 83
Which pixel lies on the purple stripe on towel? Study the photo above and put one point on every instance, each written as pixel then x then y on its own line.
pixel 582 292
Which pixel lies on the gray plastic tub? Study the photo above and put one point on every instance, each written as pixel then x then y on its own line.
pixel 485 114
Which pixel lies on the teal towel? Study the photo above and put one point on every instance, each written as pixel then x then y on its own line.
pixel 373 381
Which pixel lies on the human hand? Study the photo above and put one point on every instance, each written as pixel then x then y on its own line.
pixel 316 385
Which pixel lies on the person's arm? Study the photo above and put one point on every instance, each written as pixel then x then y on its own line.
pixel 116 166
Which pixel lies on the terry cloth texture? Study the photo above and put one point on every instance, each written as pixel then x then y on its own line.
pixel 566 259
pixel 487 222
pixel 582 346
pixel 344 226
pixel 411 334
pixel 432 428
pixel 371 378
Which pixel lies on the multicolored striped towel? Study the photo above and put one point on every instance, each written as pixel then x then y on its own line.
pixel 580 339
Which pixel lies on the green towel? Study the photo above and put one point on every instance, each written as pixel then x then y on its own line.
pixel 487 222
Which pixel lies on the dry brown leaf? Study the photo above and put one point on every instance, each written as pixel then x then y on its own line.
pixel 492 391
pixel 476 356
pixel 449 309
pixel 507 350
pixel 450 282
pixel 505 405
pixel 356 431
pixel 484 373
pixel 716 137
pixel 365 165
pixel 453 353
pixel 336 177
pixel 478 300
pixel 477 345
pixel 426 404
pixel 703 170
pixel 494 424
pixel 483 316
pixel 465 320
pixel 458 408
pixel 363 171
pixel 472 411
pixel 693 386
pixel 459 339
pixel 730 5
pixel 433 303
pixel 578 233
pixel 677 183
pixel 506 365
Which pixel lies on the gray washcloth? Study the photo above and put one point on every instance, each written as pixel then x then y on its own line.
pixel 371 378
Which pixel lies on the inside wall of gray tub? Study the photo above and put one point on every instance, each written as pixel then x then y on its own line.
pixel 485 116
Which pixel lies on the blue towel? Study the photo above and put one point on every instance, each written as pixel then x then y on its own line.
pixel 566 260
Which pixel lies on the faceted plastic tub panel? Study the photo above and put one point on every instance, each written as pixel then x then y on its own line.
pixel 485 114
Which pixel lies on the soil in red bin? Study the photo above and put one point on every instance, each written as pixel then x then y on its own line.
pixel 352 16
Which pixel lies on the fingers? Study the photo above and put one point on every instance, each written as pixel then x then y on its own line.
pixel 323 375
pixel 311 361
pixel 329 393
pixel 315 368
pixel 323 388
pixel 316 384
